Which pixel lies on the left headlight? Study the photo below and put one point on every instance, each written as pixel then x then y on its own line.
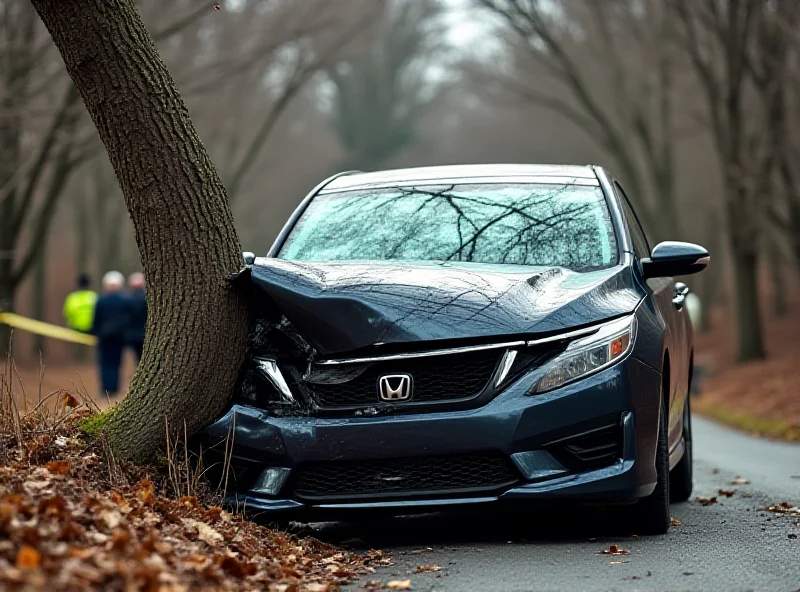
pixel 263 384
pixel 589 354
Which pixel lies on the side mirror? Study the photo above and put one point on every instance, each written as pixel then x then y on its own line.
pixel 672 258
pixel 249 257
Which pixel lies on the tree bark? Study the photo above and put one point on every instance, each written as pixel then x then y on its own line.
pixel 776 268
pixel 748 315
pixel 196 326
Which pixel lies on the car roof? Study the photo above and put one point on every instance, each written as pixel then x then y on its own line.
pixel 465 173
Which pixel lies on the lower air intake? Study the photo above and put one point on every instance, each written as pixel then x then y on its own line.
pixel 404 478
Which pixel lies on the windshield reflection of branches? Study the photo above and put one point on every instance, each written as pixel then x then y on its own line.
pixel 564 226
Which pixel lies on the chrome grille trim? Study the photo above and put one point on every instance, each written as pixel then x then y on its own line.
pixel 422 354
pixel 505 366
pixel 563 336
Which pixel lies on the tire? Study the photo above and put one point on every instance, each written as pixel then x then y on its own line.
pixel 680 478
pixel 650 515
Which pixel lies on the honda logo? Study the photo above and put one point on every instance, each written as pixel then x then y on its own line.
pixel 395 387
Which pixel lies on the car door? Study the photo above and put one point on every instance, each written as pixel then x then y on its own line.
pixel 670 308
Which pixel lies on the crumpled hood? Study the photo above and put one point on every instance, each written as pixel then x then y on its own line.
pixel 345 306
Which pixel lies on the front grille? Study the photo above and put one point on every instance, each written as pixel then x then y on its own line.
pixel 435 378
pixel 409 477
pixel 592 450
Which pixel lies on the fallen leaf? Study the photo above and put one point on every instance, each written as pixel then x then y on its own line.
pixel 70 532
pixel 70 400
pixel 726 492
pixel 33 486
pixel 333 559
pixel 427 568
pixel 236 568
pixel 120 539
pixel 58 467
pixel 706 501
pixel 204 532
pixel 28 558
pixel 111 518
pixel 418 551
pixel 317 587
pixel 784 508
pixel 613 550
pixel 674 522
pixel 96 537
pixel 740 481
pixel 399 585
pixel 145 491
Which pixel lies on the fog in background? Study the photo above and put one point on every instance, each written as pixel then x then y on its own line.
pixel 692 104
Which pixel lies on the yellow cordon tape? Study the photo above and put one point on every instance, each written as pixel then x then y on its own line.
pixel 46 329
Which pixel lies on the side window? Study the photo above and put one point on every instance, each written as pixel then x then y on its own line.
pixel 640 244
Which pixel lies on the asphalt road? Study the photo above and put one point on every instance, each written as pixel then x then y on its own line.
pixel 730 545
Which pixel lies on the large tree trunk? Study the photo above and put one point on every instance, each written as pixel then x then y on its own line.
pixel 748 315
pixel 744 234
pixel 776 269
pixel 196 326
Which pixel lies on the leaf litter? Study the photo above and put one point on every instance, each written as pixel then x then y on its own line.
pixel 73 518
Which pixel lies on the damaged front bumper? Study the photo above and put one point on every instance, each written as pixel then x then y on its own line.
pixel 591 440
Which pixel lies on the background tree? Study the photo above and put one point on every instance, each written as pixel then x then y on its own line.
pixel 717 37
pixel 379 95
pixel 608 68
pixel 769 63
pixel 43 139
pixel 184 227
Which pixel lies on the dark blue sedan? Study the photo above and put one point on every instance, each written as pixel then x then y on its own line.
pixel 435 337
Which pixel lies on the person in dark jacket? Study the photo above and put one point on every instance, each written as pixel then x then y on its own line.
pixel 110 325
pixel 137 304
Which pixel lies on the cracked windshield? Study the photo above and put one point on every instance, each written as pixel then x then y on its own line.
pixel 544 225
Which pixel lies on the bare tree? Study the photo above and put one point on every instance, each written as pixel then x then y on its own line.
pixel 197 326
pixel 611 64
pixel 769 62
pixel 43 137
pixel 717 37
pixel 379 95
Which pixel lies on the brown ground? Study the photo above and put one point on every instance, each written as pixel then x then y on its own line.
pixel 762 397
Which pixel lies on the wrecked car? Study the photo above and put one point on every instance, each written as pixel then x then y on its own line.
pixel 442 336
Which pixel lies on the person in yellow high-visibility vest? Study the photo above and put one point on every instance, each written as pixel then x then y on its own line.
pixel 79 305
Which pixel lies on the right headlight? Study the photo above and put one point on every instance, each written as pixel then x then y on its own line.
pixel 589 354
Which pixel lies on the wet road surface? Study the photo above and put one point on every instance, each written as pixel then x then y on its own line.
pixel 730 545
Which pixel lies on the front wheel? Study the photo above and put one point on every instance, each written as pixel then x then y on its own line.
pixel 681 476
pixel 650 515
